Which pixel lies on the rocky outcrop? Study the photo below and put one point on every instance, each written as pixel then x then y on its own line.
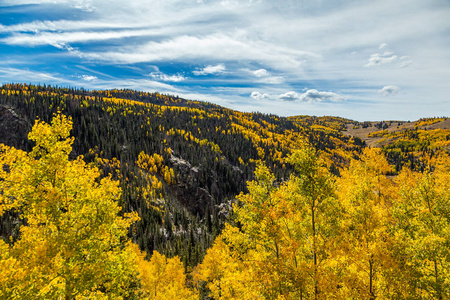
pixel 13 129
pixel 187 191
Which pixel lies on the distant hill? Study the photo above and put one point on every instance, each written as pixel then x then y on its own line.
pixel 405 143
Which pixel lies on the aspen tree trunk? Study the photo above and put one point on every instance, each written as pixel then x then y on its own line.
pixel 438 284
pixel 313 222
pixel 68 295
pixel 371 275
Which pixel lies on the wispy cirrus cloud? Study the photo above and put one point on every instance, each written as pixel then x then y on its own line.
pixel 32 2
pixel 10 74
pixel 67 26
pixel 214 47
pixel 269 50
pixel 85 5
pixel 51 38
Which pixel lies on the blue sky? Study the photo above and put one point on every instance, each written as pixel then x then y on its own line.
pixel 364 60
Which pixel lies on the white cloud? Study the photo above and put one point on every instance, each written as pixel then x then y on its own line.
pixel 405 61
pixel 259 96
pixel 85 5
pixel 28 2
pixel 271 80
pixel 214 47
pixel 65 25
pixel 383 46
pixel 264 76
pixel 302 43
pixel 88 77
pixel 25 75
pixel 387 57
pixel 261 73
pixel 314 95
pixel 389 90
pixel 52 38
pixel 289 96
pixel 381 59
pixel 229 3
pixel 220 68
pixel 165 77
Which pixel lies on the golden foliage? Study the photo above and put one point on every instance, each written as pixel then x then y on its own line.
pixel 162 278
pixel 361 236
pixel 71 243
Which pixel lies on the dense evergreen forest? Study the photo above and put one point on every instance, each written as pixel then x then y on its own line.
pixel 254 189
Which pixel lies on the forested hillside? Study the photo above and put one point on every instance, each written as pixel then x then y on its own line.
pixel 188 159
pixel 288 208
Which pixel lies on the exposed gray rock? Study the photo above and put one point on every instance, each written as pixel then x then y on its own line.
pixel 13 129
pixel 187 190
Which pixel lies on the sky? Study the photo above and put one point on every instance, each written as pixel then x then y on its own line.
pixel 364 60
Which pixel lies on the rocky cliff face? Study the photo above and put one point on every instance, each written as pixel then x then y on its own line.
pixel 187 190
pixel 13 129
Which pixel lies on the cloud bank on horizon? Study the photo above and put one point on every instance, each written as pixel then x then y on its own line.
pixel 364 60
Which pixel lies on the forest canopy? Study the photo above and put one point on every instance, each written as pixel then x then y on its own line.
pixel 362 235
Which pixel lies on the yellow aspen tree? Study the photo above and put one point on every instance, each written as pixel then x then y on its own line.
pixel 314 200
pixel 245 263
pixel 281 249
pixel 162 278
pixel 71 241
pixel 228 269
pixel 268 220
pixel 365 244
pixel 423 230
